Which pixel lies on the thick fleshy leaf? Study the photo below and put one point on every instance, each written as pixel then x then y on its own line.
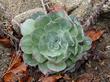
pixel 86 44
pixel 57 59
pixel 26 44
pixel 71 50
pixel 52 45
pixel 74 31
pixel 72 17
pixel 72 58
pixel 27 27
pixel 36 35
pixel 50 53
pixel 39 58
pixel 80 49
pixel 65 25
pixel 55 15
pixel 80 36
pixel 56 67
pixel 42 21
pixel 69 39
pixel 69 62
pixel 43 68
pixel 75 47
pixel 38 14
pixel 56 43
pixel 52 27
pixel 77 29
pixel 28 59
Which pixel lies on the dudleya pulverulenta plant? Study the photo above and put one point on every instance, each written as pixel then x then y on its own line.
pixel 53 41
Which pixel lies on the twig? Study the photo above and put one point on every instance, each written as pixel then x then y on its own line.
pixel 2 7
pixel 43 5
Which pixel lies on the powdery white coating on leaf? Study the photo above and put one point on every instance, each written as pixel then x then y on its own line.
pixel 28 59
pixel 54 42
pixel 27 27
pixel 56 66
pixel 39 58
pixel 43 68
pixel 26 44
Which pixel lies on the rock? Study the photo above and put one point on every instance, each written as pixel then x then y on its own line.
pixel 69 4
pixel 14 10
pixel 106 7
pixel 83 10
pixel 79 8
pixel 18 19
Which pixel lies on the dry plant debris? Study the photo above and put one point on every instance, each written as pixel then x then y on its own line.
pixel 16 69
pixel 52 78
pixel 94 34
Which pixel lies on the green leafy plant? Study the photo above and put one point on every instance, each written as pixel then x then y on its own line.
pixel 53 41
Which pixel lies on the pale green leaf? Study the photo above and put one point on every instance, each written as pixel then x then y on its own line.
pixel 43 68
pixel 36 35
pixel 80 49
pixel 52 27
pixel 28 59
pixel 42 21
pixel 26 44
pixel 56 67
pixel 65 25
pixel 39 58
pixel 69 62
pixel 38 14
pixel 74 31
pixel 76 47
pixel 27 27
pixel 69 39
pixel 87 44
pixel 52 45
pixel 55 15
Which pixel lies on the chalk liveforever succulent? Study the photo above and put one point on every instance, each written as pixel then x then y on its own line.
pixel 53 41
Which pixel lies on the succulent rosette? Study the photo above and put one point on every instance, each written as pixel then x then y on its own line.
pixel 53 41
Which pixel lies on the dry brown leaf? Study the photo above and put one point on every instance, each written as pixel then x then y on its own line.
pixel 5 42
pixel 16 66
pixel 19 69
pixel 53 78
pixel 9 77
pixel 94 35
pixel 15 61
pixel 27 79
